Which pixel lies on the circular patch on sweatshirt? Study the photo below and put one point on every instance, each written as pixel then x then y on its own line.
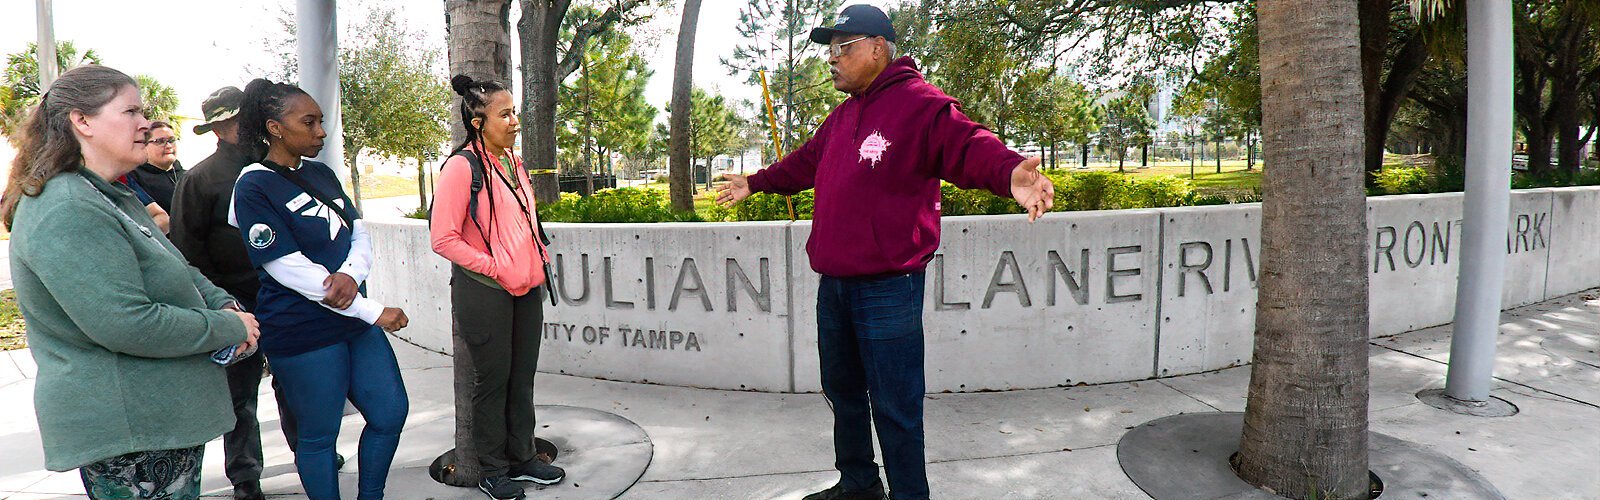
pixel 261 236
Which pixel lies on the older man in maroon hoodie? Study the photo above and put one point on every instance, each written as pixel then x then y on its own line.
pixel 876 163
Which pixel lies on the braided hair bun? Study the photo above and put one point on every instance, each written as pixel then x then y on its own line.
pixel 462 84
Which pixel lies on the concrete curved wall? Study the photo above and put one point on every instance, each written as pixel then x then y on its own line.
pixel 1076 297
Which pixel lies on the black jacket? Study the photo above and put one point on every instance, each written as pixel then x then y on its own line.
pixel 159 184
pixel 200 223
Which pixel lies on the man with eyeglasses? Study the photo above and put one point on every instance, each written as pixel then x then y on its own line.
pixel 161 171
pixel 875 164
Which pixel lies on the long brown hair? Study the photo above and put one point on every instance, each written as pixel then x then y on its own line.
pixel 47 145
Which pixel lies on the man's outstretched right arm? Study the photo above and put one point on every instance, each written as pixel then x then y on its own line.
pixel 794 173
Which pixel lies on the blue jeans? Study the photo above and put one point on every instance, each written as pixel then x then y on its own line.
pixel 869 338
pixel 316 384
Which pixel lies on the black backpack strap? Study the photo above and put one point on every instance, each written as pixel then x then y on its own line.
pixel 294 177
pixel 476 167
pixel 472 196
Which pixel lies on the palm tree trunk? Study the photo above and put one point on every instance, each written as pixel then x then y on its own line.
pixel 1305 431
pixel 681 182
pixel 478 33
pixel 540 30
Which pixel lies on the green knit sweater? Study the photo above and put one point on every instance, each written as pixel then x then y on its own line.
pixel 120 327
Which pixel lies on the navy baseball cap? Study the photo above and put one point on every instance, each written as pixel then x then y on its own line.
pixel 857 19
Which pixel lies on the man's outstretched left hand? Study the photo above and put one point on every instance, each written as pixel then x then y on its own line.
pixel 1032 189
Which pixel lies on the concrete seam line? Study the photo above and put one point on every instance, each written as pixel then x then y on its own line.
pixel 1191 396
pixel 1545 293
pixel 1161 275
pixel 13 361
pixel 1023 454
pixel 788 297
pixel 930 462
pixel 1512 382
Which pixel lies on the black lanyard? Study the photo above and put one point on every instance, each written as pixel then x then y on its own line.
pixel 294 176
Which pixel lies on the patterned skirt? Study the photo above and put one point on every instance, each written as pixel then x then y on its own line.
pixel 161 474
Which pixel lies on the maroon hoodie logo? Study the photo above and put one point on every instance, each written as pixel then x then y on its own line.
pixel 873 148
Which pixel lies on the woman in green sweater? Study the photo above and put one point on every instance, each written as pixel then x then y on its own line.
pixel 119 324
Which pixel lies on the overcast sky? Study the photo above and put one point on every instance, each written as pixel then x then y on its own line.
pixel 196 46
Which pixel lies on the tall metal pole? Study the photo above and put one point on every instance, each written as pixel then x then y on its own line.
pixel 1487 201
pixel 47 44
pixel 318 28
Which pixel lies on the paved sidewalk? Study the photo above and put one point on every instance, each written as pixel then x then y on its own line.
pixel 1045 444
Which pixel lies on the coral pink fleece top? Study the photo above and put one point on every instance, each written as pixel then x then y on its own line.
pixel 515 259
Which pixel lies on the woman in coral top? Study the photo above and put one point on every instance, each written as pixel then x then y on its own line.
pixel 498 267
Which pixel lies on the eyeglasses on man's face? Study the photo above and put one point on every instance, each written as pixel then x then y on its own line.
pixel 164 141
pixel 838 49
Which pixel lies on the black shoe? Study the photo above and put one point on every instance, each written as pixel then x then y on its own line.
pixel 536 472
pixel 837 492
pixel 248 490
pixel 338 461
pixel 500 488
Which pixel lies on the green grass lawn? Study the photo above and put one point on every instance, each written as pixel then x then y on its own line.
pixel 1236 180
pixel 387 186
pixel 13 335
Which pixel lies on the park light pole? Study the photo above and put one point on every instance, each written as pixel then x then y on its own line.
pixel 1487 200
pixel 45 21
pixel 317 23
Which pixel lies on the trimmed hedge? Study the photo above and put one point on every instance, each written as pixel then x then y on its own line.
pixel 1448 176
pixel 1074 191
pixel 1404 180
pixel 615 205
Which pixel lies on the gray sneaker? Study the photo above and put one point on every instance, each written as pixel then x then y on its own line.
pixel 500 488
pixel 536 472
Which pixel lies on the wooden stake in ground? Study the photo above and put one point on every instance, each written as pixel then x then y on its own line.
pixel 777 144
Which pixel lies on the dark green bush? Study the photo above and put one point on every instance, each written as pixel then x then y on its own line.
pixel 1074 191
pixel 1091 191
pixel 1159 192
pixel 615 205
pixel 766 206
pixel 1525 180
pixel 1588 177
pixel 957 201
pixel 1253 196
pixel 1449 175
